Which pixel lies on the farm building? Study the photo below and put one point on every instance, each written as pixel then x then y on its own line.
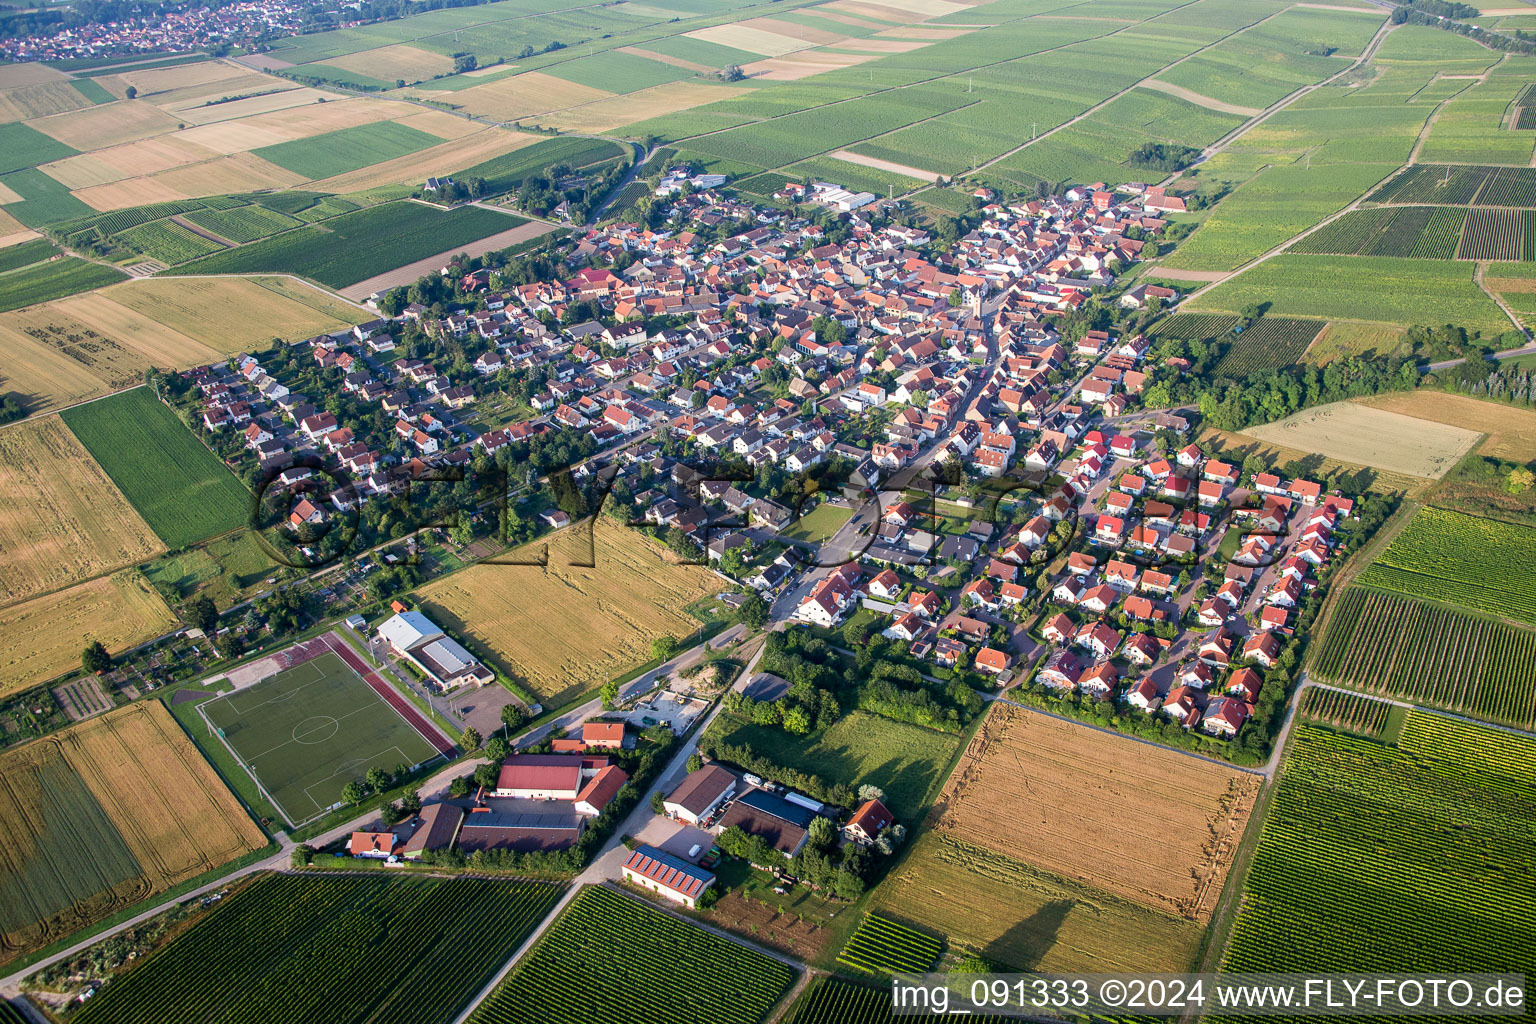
pixel 545 776
pixel 598 793
pixel 700 794
pixel 371 844
pixel 780 823
pixel 868 821
pixel 661 872
pixel 413 636
pixel 438 829
pixel 487 828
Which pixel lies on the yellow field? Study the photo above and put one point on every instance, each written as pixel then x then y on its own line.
pixel 229 314
pixel 154 83
pixel 753 40
pixel 802 65
pixel 411 63
pixel 107 813
pixel 63 520
pixel 109 124
pixel 1371 437
pixel 413 168
pixel 10 226
pixel 1236 447
pixel 1099 809
pixel 519 96
pixel 124 329
pixel 28 101
pixel 615 111
pixel 194 110
pixel 1339 340
pixel 43 637
pixel 1511 431
pixel 13 75
pixel 242 172
pixel 562 629
pixel 1027 920
pixel 119 195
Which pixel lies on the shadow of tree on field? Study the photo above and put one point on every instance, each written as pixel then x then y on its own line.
pixel 1023 946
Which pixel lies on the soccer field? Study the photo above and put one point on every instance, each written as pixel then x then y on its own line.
pixel 309 730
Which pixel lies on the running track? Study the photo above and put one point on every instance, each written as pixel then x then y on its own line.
pixel 390 695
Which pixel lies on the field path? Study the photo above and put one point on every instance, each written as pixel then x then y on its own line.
pixel 1175 274
pixel 1498 299
pixel 410 272
pixel 1200 101
pixel 203 232
pixel 885 165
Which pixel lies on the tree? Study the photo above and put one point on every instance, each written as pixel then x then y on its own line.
pixel 610 694
pixel 822 833
pixel 458 788
pixel 202 613
pixel 797 720
pixel 131 92
pixel 754 611
pixel 869 791
pixel 496 749
pixel 486 776
pixel 378 779
pixel 664 648
pixel 353 793
pixel 1519 481
pixel 471 739
pixel 658 804
pixel 695 762
pixel 513 716
pixel 94 658
pixel 300 856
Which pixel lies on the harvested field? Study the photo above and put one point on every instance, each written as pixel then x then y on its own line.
pixel 615 111
pixel 677 62
pixel 63 520
pixel 1511 431
pixel 236 109
pixel 1099 809
pixel 753 40
pixel 448 158
pixel 1233 446
pixel 520 96
pixel 241 172
pixel 57 360
pixel 1025 919
pixel 119 195
pixel 411 63
pixel 105 125
pixel 13 75
pixel 149 337
pixel 41 638
pixel 231 314
pixel 1372 437
pixel 802 65
pixel 563 629
pixel 28 101
pixel 131 809
pixel 152 82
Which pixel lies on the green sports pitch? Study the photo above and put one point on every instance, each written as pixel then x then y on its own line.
pixel 309 730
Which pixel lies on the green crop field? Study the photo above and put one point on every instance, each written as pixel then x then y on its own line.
pixel 245 223
pixel 507 172
pixel 834 1000
pixel 309 730
pixel 1375 858
pixel 1272 343
pixel 611 957
pixel 1492 235
pixel 322 156
pixel 1442 235
pixel 619 72
pixel 354 949
pixel 39 282
pixel 1351 712
pixel 1385 231
pixel 181 489
pixel 1392 645
pixel 907 761
pixel 27 253
pixel 357 246
pixel 24 146
pixel 1193 326
pixel 44 201
pixel 168 242
pixel 882 946
pixel 1379 288
pixel 1464 560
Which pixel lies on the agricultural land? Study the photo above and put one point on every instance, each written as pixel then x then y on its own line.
pixel 562 629
pixel 107 813
pixel 1368 436
pixel 429 942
